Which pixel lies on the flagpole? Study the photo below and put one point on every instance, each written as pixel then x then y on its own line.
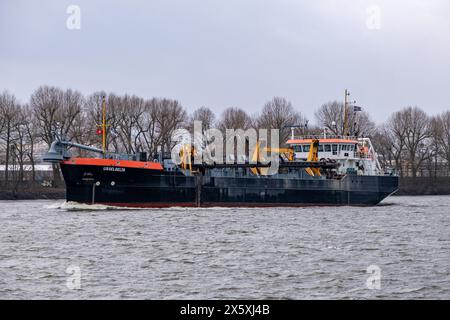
pixel 104 126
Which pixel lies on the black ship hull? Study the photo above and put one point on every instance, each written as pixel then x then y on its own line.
pixel 137 187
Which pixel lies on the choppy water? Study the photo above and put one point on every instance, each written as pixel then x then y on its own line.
pixel 293 253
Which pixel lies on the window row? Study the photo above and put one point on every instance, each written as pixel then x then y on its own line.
pixel 326 147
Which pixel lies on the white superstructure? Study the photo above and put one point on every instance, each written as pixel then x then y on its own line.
pixel 352 153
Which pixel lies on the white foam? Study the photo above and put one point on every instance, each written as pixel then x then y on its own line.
pixel 77 206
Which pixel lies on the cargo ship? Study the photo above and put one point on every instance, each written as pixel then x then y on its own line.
pixel 320 170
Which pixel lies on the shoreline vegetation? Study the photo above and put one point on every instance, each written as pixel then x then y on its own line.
pixel 35 192
pixel 420 186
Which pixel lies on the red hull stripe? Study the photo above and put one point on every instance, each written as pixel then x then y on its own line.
pixel 113 163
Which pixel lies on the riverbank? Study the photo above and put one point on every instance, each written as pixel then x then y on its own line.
pixel 424 186
pixel 33 193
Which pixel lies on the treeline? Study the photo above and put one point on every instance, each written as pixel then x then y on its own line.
pixel 409 141
pixel 414 143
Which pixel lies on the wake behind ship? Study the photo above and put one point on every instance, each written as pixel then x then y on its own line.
pixel 312 170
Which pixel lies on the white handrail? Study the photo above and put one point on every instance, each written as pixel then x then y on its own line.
pixel 327 137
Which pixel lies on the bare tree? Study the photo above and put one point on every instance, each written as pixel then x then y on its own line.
pixel 234 118
pixel 434 146
pixel 9 115
pixel 83 132
pixel 56 111
pixel 148 130
pixel 444 120
pixel 393 140
pixel 416 139
pixel 31 133
pixel 135 124
pixel 131 108
pixel 20 147
pixel 331 116
pixel 205 115
pixel 171 116
pixel 384 146
pixel 278 113
pixel 361 124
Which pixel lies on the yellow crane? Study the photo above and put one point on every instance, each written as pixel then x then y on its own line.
pixel 313 157
pixel 187 153
pixel 288 152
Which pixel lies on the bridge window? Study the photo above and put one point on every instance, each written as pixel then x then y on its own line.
pixel 297 148
pixel 344 147
pixel 306 148
pixel 320 148
pixel 327 148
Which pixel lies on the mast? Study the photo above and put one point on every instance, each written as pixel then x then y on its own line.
pixel 104 125
pixel 346 113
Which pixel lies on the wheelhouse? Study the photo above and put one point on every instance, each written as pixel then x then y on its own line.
pixel 328 148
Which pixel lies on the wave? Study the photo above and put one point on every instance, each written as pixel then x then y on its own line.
pixel 77 206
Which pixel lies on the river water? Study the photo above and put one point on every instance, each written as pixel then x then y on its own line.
pixel 399 249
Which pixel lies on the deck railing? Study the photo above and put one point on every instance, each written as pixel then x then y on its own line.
pixel 322 136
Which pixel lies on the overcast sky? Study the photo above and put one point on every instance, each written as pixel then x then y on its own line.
pixel 234 52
